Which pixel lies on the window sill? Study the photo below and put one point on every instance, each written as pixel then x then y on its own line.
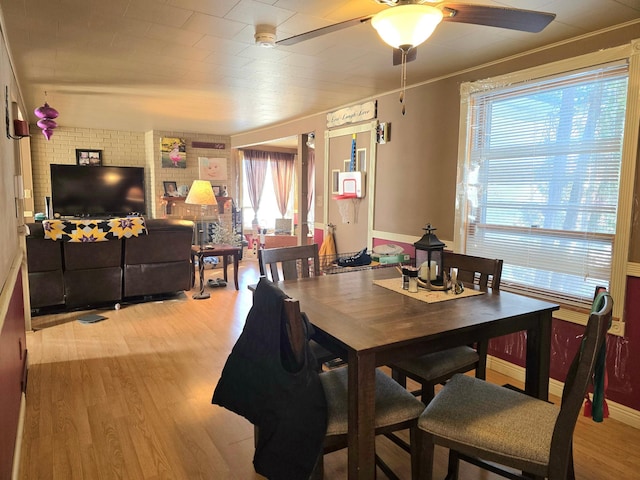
pixel 567 315
pixel 573 314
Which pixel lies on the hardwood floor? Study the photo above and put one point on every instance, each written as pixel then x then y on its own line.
pixel 130 398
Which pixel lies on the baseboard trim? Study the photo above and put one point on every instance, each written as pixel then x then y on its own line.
pixel 17 452
pixel 617 411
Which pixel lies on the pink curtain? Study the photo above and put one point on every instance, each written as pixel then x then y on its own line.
pixel 282 171
pixel 255 168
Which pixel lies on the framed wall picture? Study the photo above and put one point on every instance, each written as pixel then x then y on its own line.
pixel 171 189
pixel 361 159
pixel 89 158
pixel 212 168
pixel 335 182
pixel 173 153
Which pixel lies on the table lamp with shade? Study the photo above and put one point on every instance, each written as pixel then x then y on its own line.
pixel 201 193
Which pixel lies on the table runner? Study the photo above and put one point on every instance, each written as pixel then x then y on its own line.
pixel 94 230
pixel 428 296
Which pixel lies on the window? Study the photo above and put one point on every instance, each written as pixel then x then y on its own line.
pixel 268 210
pixel 540 179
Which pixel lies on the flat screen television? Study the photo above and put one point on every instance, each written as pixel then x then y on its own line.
pixel 85 191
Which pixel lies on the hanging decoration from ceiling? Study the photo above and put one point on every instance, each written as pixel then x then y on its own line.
pixel 46 114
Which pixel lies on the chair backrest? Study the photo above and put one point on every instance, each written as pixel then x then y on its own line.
pixel 576 384
pixel 296 333
pixel 475 270
pixel 291 262
pixel 270 380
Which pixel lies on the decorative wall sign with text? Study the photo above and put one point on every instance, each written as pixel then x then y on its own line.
pixel 354 114
pixel 212 145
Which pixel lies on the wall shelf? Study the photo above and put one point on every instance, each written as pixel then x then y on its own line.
pixel 175 203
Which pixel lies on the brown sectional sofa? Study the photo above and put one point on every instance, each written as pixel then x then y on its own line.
pixel 66 275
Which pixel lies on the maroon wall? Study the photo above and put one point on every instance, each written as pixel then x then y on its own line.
pixel 623 353
pixel 12 361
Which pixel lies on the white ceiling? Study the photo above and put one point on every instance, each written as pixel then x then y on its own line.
pixel 192 65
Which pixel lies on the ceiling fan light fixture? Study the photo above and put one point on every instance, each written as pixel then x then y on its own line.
pixel 406 26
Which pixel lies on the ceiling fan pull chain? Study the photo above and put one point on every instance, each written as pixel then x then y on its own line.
pixel 403 78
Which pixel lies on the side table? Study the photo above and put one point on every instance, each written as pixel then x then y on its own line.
pixel 224 251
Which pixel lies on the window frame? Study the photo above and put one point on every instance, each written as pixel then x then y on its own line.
pixel 629 52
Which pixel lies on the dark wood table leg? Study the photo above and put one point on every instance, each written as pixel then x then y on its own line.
pixel 236 258
pixel 361 436
pixel 225 262
pixel 538 358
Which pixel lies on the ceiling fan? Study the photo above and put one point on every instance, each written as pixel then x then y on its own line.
pixel 403 11
pixel 408 23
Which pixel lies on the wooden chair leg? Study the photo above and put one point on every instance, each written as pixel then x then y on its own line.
pixel 482 348
pixel 415 442
pixel 399 377
pixel 424 446
pixel 428 392
pixel 571 474
pixel 454 466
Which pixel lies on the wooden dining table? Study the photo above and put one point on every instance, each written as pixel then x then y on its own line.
pixel 370 326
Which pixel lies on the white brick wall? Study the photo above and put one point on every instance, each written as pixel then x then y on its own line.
pixel 122 148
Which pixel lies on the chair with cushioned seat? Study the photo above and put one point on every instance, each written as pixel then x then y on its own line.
pixel 395 408
pixel 436 368
pixel 290 263
pixel 267 380
pixel 481 422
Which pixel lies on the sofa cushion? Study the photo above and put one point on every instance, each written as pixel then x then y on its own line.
pixel 46 288
pixel 82 256
pixel 43 255
pixel 93 286
pixel 156 278
pixel 167 241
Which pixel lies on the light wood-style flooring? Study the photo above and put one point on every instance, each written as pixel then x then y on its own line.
pixel 130 398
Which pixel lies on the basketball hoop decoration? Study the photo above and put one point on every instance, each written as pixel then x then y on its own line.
pixel 350 189
pixel 46 114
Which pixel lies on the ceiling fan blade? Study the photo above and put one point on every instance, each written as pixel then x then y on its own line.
pixel 511 18
pixel 323 30
pixel 397 55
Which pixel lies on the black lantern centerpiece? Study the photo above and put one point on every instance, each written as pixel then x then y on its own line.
pixel 429 257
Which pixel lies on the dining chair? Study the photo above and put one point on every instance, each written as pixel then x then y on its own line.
pixel 276 388
pixel 395 408
pixel 482 422
pixel 435 368
pixel 267 380
pixel 290 263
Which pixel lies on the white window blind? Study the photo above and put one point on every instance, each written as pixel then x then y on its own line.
pixel 541 180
